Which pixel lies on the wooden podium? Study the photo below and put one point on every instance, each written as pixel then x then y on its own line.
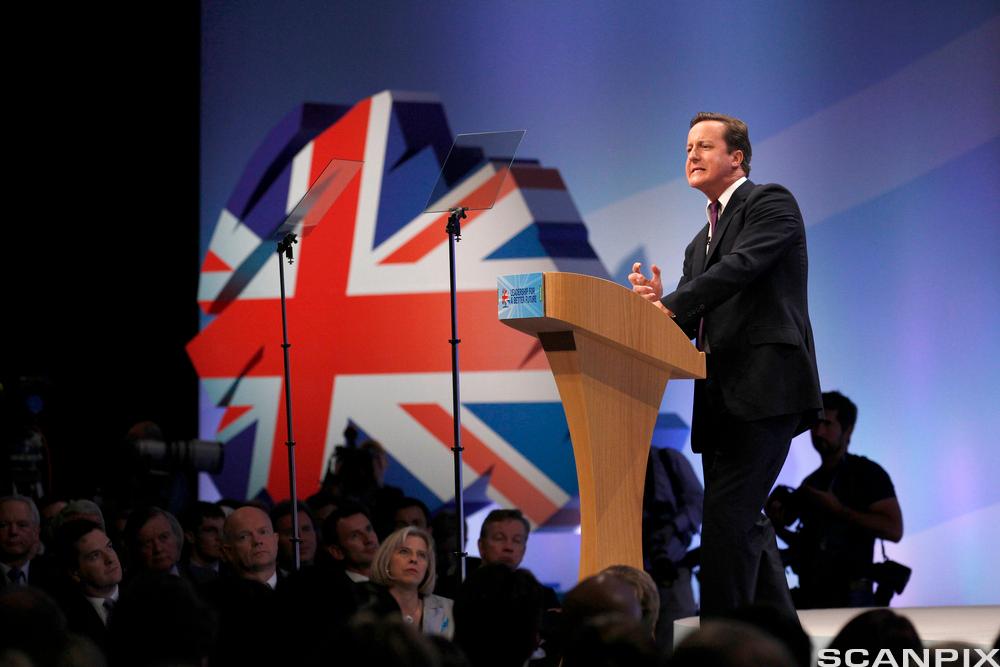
pixel 611 353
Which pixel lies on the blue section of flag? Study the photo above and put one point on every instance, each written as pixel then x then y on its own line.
pixel 547 239
pixel 417 143
pixel 232 482
pixel 539 432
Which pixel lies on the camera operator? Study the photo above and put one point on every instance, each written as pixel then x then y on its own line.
pixel 843 507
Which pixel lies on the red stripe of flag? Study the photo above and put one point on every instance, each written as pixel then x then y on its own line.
pixel 479 457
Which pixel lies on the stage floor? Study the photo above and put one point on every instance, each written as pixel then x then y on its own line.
pixel 975 625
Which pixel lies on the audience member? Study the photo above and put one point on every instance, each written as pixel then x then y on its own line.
pixel 411 512
pixel 844 506
pixel 322 504
pixel 320 599
pixel 444 530
pixel 159 621
pixel 600 594
pixel 250 546
pixel 20 533
pixel 81 508
pixel 351 540
pixel 31 626
pixel 503 539
pixel 877 629
pixel 202 524
pixel 370 639
pixel 244 594
pixel 645 592
pixel 725 643
pixel 154 538
pixel 671 515
pixel 49 508
pixel 281 517
pixel 93 574
pixel 404 564
pixel 778 625
pixel 494 602
pixel 611 640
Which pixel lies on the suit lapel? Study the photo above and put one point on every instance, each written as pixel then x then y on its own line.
pixel 734 206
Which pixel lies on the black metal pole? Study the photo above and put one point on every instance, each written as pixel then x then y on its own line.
pixel 454 230
pixel 285 251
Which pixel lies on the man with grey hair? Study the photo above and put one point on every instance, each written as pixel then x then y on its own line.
pixel 154 538
pixel 20 526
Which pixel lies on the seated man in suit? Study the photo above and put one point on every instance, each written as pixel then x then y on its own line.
pixel 20 529
pixel 93 573
pixel 350 539
pixel 250 546
pixel 244 595
pixel 281 517
pixel 154 539
pixel 202 524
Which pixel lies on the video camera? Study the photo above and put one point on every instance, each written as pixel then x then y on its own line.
pixel 199 455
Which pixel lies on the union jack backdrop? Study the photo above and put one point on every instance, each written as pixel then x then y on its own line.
pixel 368 314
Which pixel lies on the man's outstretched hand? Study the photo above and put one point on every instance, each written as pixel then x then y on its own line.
pixel 651 288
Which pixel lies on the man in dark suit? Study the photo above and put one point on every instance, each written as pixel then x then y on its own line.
pixel 742 295
pixel 20 530
pixel 90 590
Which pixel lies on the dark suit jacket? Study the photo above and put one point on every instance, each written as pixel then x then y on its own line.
pixel 82 618
pixel 751 290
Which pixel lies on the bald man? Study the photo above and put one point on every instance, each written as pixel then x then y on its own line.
pixel 250 545
pixel 244 595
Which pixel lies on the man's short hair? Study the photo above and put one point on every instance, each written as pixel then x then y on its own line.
pixel 496 516
pixel 36 518
pixel 66 538
pixel 193 516
pixel 737 135
pixel 329 530
pixel 847 412
pixel 284 508
pixel 645 591
pixel 141 517
pixel 414 502
pixel 380 566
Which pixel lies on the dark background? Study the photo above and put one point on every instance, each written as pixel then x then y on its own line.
pixel 101 274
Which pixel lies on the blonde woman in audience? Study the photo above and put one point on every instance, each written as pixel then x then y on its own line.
pixel 404 564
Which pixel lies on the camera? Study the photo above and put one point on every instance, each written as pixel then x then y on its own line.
pixel 890 578
pixel 200 455
pixel 783 506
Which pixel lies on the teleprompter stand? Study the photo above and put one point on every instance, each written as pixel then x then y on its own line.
pixel 306 215
pixel 469 181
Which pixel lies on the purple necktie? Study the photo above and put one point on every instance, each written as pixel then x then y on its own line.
pixel 713 217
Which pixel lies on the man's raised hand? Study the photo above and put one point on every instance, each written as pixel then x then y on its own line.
pixel 650 289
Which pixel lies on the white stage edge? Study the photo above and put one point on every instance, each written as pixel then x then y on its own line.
pixel 975 625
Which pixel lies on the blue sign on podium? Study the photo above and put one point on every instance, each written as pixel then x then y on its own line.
pixel 520 296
